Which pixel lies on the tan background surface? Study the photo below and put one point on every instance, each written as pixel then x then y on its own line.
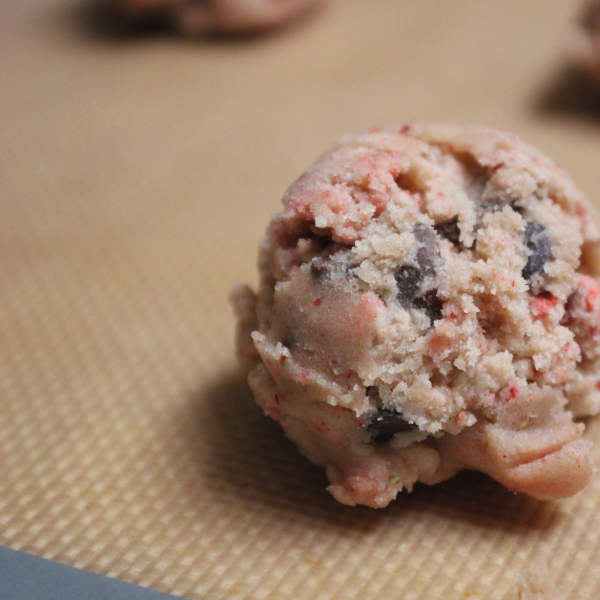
pixel 137 173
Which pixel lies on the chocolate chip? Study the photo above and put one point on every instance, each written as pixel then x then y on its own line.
pixel 538 243
pixel 493 201
pixel 319 269
pixel 411 278
pixel 385 423
pixel 449 230
pixel 408 280
pixel 428 250
pixel 491 204
pixel 431 304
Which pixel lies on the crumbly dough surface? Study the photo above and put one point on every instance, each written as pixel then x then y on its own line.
pixel 232 16
pixel 584 39
pixel 427 304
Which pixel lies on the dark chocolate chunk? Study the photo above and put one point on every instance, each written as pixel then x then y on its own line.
pixel 449 230
pixel 431 304
pixel 323 268
pixel 385 423
pixel 408 279
pixel 537 241
pixel 319 269
pixel 491 204
pixel 486 197
pixel 428 249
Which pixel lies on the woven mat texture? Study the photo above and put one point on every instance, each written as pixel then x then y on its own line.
pixel 137 174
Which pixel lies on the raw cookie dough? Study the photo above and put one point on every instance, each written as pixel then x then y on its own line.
pixel 233 16
pixel 584 41
pixel 427 304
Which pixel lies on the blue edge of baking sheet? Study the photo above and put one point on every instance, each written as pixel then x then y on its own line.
pixel 26 577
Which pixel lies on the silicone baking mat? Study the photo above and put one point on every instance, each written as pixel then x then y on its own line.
pixel 26 577
pixel 137 174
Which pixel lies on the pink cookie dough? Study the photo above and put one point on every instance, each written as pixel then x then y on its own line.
pixel 427 304
pixel 232 16
pixel 584 40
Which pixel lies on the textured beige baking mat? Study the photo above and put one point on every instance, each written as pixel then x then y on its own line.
pixel 137 173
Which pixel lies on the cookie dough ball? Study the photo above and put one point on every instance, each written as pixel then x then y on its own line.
pixel 231 16
pixel 427 304
pixel 584 41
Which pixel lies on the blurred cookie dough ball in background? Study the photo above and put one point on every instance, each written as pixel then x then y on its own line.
pixel 193 17
pixel 584 39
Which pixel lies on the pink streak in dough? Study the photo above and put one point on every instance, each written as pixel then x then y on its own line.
pixel 427 304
